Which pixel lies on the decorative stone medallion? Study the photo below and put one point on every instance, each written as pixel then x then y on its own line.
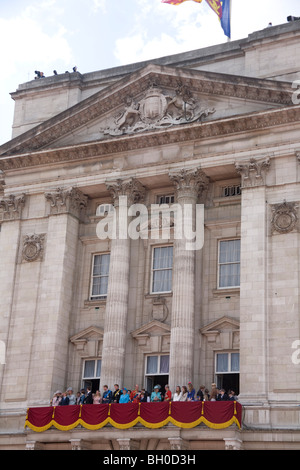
pixel 33 247
pixel 284 217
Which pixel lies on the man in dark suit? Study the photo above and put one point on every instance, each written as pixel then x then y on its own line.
pixel 89 397
pixel 223 395
pixel 116 395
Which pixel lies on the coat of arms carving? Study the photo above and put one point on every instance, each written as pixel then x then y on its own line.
pixel 157 110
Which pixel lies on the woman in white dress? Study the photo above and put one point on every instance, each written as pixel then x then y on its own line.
pixel 177 394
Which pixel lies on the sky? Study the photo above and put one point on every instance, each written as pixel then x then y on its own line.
pixel 98 34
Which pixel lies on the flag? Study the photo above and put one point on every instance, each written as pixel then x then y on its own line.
pixel 178 2
pixel 225 20
pixel 216 5
pixel 220 7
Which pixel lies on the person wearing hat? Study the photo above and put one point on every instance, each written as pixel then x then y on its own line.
pixel 155 395
pixel 56 398
pixel 124 398
pixel 72 398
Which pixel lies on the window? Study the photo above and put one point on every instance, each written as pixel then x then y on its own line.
pixel 227 368
pixel 157 365
pixel 162 263
pixel 229 263
pixel 100 276
pixel 91 374
pixel 229 191
pixel 228 362
pixel 104 209
pixel 92 369
pixel 166 199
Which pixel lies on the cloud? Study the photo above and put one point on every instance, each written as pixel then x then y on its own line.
pixel 28 44
pixel 184 29
pixel 99 5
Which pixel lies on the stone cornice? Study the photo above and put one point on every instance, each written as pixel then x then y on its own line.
pixel 103 102
pixel 177 134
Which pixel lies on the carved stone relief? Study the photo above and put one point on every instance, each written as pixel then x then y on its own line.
pixel 157 110
pixel 33 247
pixel 11 207
pixel 253 173
pixel 64 200
pixel 160 309
pixel 284 217
pixel 131 188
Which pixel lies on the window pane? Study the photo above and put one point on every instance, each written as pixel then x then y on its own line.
pixel 162 281
pixel 89 369
pixel 235 362
pixel 99 286
pixel 98 371
pixel 229 251
pixel 152 363
pixel 164 364
pixel 101 265
pixel 163 257
pixel 229 275
pixel 222 362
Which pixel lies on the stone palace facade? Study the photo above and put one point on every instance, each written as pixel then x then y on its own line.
pixel 217 129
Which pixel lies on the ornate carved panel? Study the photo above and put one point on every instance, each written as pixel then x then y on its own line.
pixel 33 247
pixel 284 217
pixel 157 110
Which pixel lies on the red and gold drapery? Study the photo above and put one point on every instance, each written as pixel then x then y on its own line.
pixel 216 415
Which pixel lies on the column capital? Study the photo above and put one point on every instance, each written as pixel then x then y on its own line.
pixel 189 181
pixel 11 206
pixel 66 200
pixel 253 173
pixel 131 188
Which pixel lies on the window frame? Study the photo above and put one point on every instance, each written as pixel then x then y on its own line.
pixel 219 264
pixel 229 371
pixel 91 296
pixel 167 195
pixel 150 374
pixel 164 269
pixel 95 359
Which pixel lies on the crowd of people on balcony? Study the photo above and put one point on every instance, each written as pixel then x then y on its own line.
pixel 182 393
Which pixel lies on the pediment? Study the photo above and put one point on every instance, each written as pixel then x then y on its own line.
pixel 154 337
pixel 154 328
pixel 88 342
pixel 154 99
pixel 223 333
pixel 222 324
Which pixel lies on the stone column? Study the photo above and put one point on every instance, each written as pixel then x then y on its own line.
pixel 10 224
pixel 124 194
pixel 253 282
pixel 188 185
pixel 50 338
